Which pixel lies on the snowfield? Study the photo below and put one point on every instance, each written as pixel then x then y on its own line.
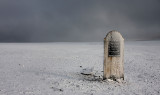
pixel 76 69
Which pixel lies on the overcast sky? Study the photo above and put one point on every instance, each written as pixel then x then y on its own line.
pixel 78 20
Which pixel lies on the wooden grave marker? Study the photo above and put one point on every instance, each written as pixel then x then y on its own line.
pixel 113 56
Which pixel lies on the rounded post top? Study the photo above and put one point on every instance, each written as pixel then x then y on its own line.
pixel 114 35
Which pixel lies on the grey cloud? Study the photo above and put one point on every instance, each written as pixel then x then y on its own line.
pixel 78 20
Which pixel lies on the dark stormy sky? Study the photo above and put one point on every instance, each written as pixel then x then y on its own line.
pixel 78 20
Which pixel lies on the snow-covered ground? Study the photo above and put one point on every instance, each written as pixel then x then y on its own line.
pixel 55 68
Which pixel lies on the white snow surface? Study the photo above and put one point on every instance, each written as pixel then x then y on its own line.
pixel 56 69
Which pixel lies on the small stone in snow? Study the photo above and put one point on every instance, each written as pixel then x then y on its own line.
pixel 60 90
pixel 119 80
pixel 109 80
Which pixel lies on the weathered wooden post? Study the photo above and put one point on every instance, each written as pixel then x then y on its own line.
pixel 113 56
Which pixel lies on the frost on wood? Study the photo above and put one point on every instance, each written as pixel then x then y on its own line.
pixel 113 56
